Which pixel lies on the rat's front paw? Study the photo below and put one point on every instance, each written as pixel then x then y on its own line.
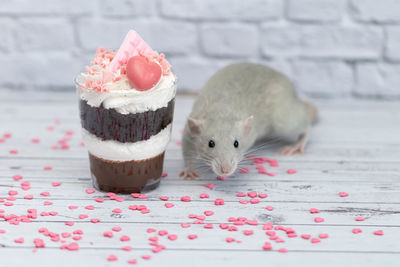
pixel 188 174
pixel 290 150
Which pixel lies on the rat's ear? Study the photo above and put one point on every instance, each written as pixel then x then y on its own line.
pixel 247 125
pixel 194 126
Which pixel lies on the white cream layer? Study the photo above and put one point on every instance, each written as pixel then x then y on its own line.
pixel 117 151
pixel 127 100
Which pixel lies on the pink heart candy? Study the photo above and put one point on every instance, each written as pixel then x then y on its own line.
pixel 142 74
pixel 378 232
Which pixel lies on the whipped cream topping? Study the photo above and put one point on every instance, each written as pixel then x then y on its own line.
pixel 116 151
pixel 123 98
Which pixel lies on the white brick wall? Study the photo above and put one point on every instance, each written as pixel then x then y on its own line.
pixel 329 48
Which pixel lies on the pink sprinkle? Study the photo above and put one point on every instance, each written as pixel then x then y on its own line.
pixel 267 246
pixel 12 193
pixel 132 261
pixel 221 178
pixel 39 243
pixel 230 239
pixel 378 232
pixel 8 204
pixel 169 205
pixel 291 171
pixel 55 184
pixel 359 219
pixel 69 223
pixel 244 170
pixel 185 199
pixel 204 195
pixel 208 213
pixel 314 210
pixel 315 240
pixel 146 257
pixel 45 194
pixel 219 201
pixel 112 257
pixel 153 238
pixel 252 222
pixel 224 226
pixel 262 195
pixel 318 219
pixel 343 194
pixel 72 207
pixel 252 194
pixel 116 229
pixel 162 232
pixel 270 208
pixel 117 210
pixel 65 235
pixel 208 226
pixel 17 177
pixel 243 201
pixel 241 194
pixel 35 140
pixel 53 213
pixel 47 168
pixel 356 230
pixel 194 236
pixel 164 198
pixel 151 230
pixel 28 197
pixel 94 220
pixel 164 175
pixel 305 236
pixel 172 237
pixel 100 200
pixel 89 207
pixel 282 250
pixel 108 234
pixel 72 246
pixel 210 186
pixel 19 240
pixel 185 225
pixel 7 135
pixel 254 201
pixel 248 232
pixel 76 238
pixel 125 238
pixel 13 151
pixel 83 216
pixel 47 203
pixel 90 191
pixel 127 248
pixel 270 233
pixel 322 236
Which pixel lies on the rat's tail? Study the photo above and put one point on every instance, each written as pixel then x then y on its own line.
pixel 312 111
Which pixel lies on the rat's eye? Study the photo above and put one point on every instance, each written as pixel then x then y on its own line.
pixel 211 144
pixel 236 144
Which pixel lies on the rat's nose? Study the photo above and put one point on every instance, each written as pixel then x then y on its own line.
pixel 225 170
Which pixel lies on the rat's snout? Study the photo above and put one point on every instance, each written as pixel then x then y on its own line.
pixel 223 168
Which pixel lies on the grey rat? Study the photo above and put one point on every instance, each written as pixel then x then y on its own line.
pixel 239 105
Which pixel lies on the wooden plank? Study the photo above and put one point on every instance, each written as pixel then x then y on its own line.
pixel 195 258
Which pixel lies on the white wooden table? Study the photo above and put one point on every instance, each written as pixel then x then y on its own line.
pixel 355 148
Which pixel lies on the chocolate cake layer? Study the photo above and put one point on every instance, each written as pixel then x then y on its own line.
pixel 126 177
pixel 108 124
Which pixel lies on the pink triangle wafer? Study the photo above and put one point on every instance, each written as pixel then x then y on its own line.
pixel 132 45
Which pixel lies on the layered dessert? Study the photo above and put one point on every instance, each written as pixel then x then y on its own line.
pixel 126 100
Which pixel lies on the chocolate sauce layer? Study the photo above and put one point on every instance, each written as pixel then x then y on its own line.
pixel 128 176
pixel 108 124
